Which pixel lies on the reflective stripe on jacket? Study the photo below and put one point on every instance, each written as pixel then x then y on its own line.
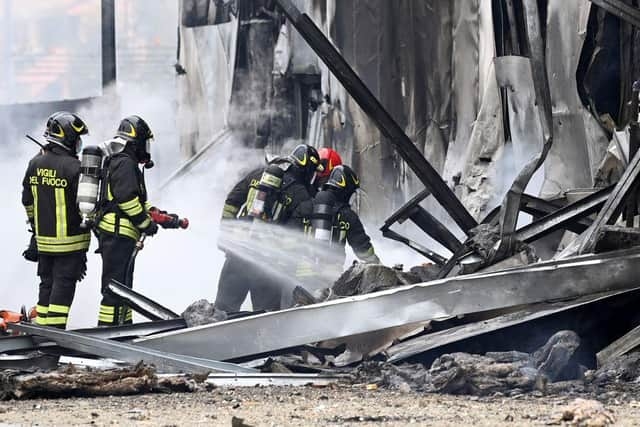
pixel 49 196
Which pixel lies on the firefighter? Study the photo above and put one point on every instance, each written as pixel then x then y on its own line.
pixel 124 214
pixel 334 222
pixel 49 192
pixel 238 277
pixel 329 159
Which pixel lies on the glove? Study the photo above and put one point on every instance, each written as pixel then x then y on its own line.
pixel 31 253
pixel 151 229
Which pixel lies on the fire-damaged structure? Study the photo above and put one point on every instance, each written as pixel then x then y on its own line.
pixel 499 90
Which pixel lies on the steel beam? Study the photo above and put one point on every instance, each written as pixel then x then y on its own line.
pixel 564 216
pixel 426 222
pixel 614 205
pixel 547 281
pixel 402 214
pixel 511 203
pixel 539 208
pixel 434 228
pixel 137 330
pixel 426 252
pixel 378 114
pixel 620 9
pixel 140 303
pixel 164 361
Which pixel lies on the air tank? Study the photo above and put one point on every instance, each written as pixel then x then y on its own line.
pixel 89 184
pixel 323 215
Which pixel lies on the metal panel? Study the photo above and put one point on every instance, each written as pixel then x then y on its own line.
pixel 164 361
pixel 428 342
pixel 29 342
pixel 270 379
pixel 396 307
pixel 140 303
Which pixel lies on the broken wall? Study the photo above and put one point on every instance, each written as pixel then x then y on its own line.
pixel 431 64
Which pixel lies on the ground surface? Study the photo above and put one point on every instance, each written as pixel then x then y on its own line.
pixel 301 406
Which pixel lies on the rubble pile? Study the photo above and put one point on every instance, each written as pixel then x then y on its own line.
pixel 622 369
pixel 509 372
pixel 362 279
pixel 202 312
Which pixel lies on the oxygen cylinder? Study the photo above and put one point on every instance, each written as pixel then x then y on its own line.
pixel 323 213
pixel 89 184
pixel 269 186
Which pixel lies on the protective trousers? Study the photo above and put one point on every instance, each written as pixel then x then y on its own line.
pixel 237 279
pixel 58 277
pixel 116 256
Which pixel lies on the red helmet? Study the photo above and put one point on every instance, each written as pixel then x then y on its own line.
pixel 329 158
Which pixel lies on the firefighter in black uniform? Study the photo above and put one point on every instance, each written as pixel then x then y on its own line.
pixel 124 214
pixel 49 192
pixel 294 197
pixel 334 222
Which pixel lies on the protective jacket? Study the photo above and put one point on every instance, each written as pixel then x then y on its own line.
pixel 125 206
pixel 237 197
pixel 294 195
pixel 349 229
pixel 346 227
pixel 49 192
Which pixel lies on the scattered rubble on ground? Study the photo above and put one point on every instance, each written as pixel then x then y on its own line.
pixel 623 369
pixel 587 413
pixel 70 381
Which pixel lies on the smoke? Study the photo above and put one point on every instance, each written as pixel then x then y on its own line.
pixel 178 267
pixel 19 281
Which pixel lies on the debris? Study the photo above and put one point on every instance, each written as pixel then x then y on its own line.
pixel 362 279
pixel 622 345
pixel 72 382
pixel 495 372
pixel 239 422
pixel 625 368
pixel 553 357
pixel 544 281
pixel 588 413
pixel 129 353
pixel 425 272
pixel 613 237
pixel 202 312
pixel 140 303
